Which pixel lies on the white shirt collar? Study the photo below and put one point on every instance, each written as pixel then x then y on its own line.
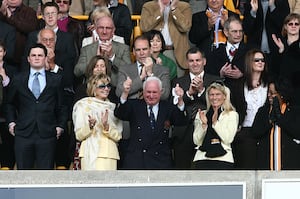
pixel 201 75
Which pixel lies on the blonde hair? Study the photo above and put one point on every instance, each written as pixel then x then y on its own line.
pixel 93 81
pixel 227 106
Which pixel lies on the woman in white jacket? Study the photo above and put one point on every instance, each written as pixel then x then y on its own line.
pixel 96 127
pixel 215 129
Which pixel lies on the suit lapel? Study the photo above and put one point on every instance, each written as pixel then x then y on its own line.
pixel 240 52
pixel 48 79
pixel 24 83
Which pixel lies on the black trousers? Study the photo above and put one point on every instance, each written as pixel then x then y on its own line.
pixel 35 152
pixel 213 165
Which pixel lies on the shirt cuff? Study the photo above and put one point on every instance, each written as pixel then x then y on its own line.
pixel 122 100
pixel 272 7
pixel 5 81
pixel 175 97
pixel 253 13
pixel 181 108
pixel 112 58
pixel 190 96
pixel 199 94
pixel 56 68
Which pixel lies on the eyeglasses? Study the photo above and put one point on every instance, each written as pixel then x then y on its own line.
pixel 107 28
pixel 259 60
pixel 293 24
pixel 64 2
pixel 103 86
pixel 48 14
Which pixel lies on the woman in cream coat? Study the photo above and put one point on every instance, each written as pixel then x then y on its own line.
pixel 96 127
pixel 215 129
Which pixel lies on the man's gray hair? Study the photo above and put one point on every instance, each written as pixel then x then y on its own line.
pixel 152 79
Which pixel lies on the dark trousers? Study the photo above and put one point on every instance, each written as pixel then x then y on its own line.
pixel 244 150
pixel 213 165
pixel 63 155
pixel 7 155
pixel 34 152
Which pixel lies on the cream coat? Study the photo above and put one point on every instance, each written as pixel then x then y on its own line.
pixel 96 143
pixel 226 128
pixel 180 22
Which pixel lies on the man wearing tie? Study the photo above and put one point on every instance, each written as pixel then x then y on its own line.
pixel 150 120
pixel 193 84
pixel 141 70
pixel 228 60
pixel 35 112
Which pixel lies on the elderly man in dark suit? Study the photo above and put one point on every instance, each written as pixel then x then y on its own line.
pixel 193 84
pixel 36 113
pixel 150 119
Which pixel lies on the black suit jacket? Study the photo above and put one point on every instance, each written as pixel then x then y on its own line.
pixel 146 149
pixel 8 36
pixel 65 55
pixel 47 112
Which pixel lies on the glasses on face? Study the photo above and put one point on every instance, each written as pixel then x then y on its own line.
pixel 102 28
pixel 259 60
pixel 103 86
pixel 64 2
pixel 48 14
pixel 293 24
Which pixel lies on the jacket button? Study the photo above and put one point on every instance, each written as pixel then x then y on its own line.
pixel 160 142
pixel 156 153
pixel 144 151
pixel 140 140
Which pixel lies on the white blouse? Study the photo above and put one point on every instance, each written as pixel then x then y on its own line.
pixel 255 99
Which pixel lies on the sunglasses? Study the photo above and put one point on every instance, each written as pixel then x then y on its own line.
pixel 220 82
pixel 103 86
pixel 259 60
pixel 64 2
pixel 293 24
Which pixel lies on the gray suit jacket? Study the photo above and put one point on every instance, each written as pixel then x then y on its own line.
pixel 131 71
pixel 122 57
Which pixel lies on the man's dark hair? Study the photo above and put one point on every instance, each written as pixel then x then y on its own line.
pixel 194 50
pixel 50 4
pixel 141 37
pixel 38 45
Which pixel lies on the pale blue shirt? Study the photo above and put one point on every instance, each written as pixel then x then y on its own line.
pixel 41 77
